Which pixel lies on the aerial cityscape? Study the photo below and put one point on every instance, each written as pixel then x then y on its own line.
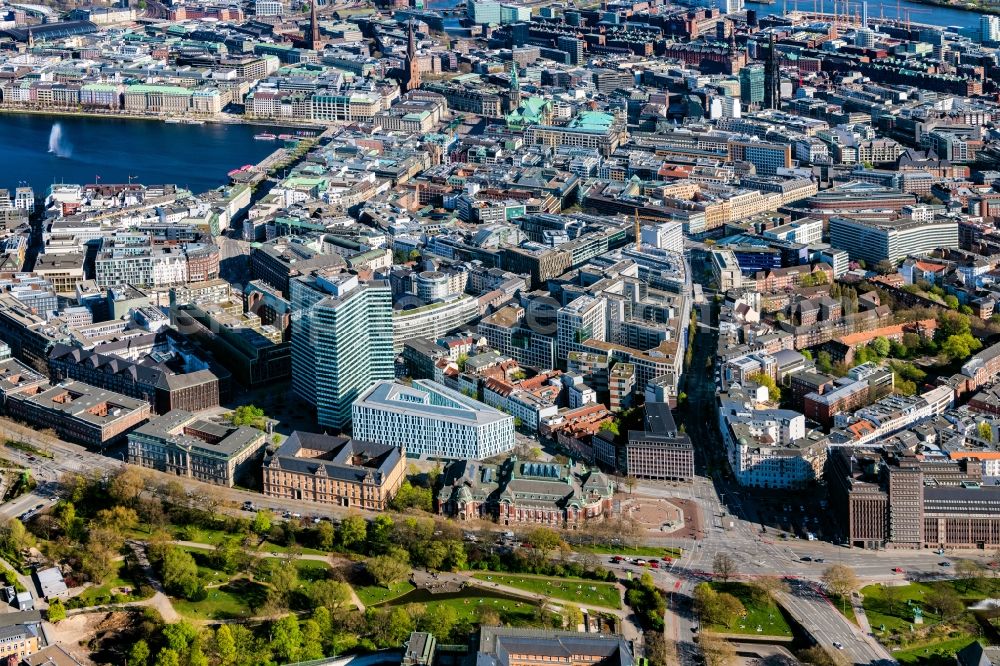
pixel 500 332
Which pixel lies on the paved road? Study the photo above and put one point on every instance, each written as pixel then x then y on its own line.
pixel 830 628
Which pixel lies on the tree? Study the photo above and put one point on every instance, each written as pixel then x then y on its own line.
pixel 724 566
pixel 765 380
pixel 15 537
pixel 434 554
pixel 225 646
pixel 957 347
pixel 573 616
pixel 716 651
pixel 544 540
pixel 885 267
pixel 945 602
pixel 439 620
pixel 840 579
pixel 330 594
pixel 325 535
pixel 286 639
pixel 312 641
pixel 57 611
pixel 380 532
pixel 248 415
pixel 893 595
pixel 728 609
pixel 824 363
pixel 970 571
pixel 985 431
pixel 168 657
pixel 951 301
pixel 262 523
pixel 179 635
pixel 819 656
pixel 387 570
pixel 229 555
pixel 126 486
pixel 284 579
pixel 118 518
pixel 951 323
pixel 138 653
pixel 770 586
pixel 413 497
pixel 179 573
pixel 881 346
pixel 196 657
pixel 353 531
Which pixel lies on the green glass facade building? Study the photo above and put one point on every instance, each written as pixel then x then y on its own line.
pixel 341 341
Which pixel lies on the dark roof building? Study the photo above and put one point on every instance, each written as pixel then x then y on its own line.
pixel 53 31
pixel 335 470
pixel 499 645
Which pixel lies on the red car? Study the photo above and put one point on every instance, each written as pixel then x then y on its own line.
pixel 654 564
pixel 898 570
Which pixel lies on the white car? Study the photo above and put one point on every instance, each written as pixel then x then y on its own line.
pixel 838 645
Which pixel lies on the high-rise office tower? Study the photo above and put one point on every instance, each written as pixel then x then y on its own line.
pixel 341 341
pixel 772 77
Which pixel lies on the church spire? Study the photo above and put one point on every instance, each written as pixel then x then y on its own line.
pixel 314 40
pixel 412 71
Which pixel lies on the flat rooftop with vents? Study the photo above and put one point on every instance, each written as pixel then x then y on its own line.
pixel 185 444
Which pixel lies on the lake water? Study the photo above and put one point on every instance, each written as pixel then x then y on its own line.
pixel 928 14
pixel 152 152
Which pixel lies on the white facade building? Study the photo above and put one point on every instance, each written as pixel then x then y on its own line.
pixel 426 418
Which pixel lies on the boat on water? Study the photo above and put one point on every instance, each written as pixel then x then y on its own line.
pixel 287 137
pixel 173 121
pixel 192 121
pixel 265 136
pixel 245 167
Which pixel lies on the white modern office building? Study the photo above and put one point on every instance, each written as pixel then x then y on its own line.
pixel 426 418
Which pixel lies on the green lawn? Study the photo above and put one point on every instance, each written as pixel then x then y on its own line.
pixel 941 653
pixel 312 570
pixel 517 613
pixel 846 608
pixel 268 547
pixel 207 572
pixel 579 591
pixel 638 551
pixel 108 592
pixel 236 599
pixel 896 616
pixel 766 615
pixel 371 595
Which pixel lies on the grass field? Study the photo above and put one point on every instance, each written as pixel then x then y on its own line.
pixel 371 595
pixel 104 594
pixel 941 653
pixel 511 612
pixel 893 616
pixel 207 572
pixel 312 570
pixel 891 620
pixel 235 599
pixel 638 551
pixel 577 590
pixel 845 607
pixel 766 615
